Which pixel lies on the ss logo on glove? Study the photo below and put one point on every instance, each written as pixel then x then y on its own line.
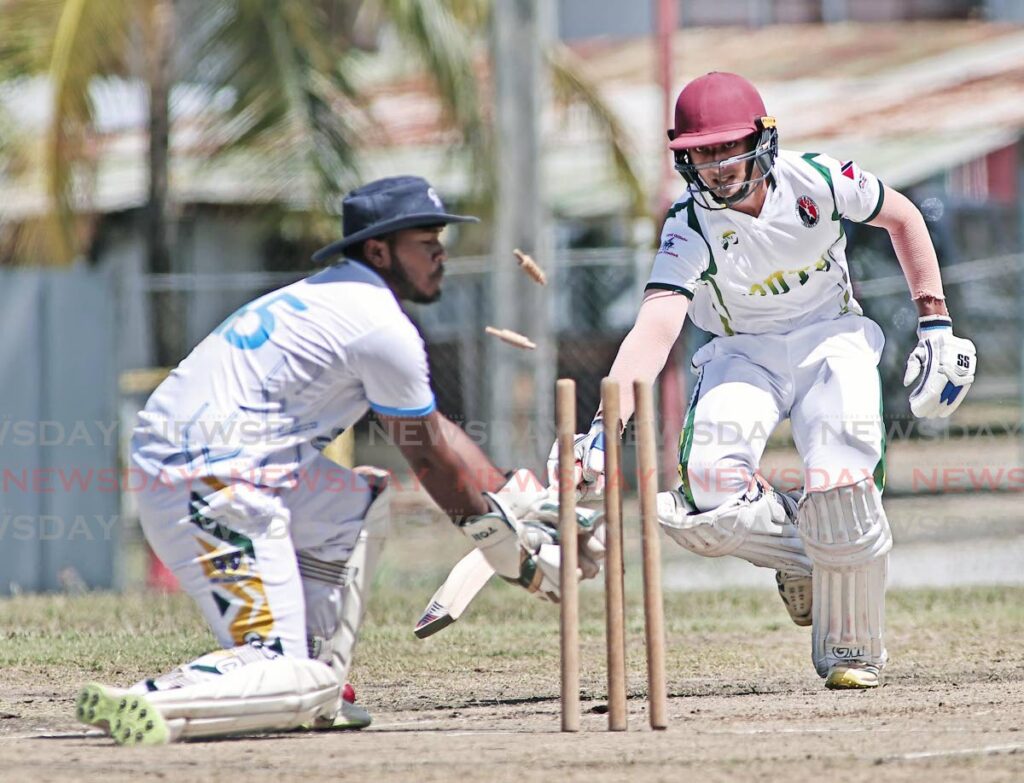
pixel 943 366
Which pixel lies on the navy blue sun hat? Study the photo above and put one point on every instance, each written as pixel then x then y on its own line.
pixel 387 205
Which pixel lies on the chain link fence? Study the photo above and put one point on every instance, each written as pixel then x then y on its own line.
pixel 594 298
pixel 597 294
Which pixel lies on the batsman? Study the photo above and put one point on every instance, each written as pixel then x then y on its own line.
pixel 754 253
pixel 276 543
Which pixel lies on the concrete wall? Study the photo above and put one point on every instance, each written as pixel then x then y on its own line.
pixel 60 522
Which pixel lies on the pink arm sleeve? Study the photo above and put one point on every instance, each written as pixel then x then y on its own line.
pixel 645 349
pixel 912 244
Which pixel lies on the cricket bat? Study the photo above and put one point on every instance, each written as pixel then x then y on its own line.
pixel 467 578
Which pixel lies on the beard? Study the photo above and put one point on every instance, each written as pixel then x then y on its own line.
pixel 418 297
pixel 410 292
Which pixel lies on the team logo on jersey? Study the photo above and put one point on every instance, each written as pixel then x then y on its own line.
pixel 669 243
pixel 850 171
pixel 808 211
pixel 728 238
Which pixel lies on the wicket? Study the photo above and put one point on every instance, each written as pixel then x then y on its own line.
pixel 565 416
pixel 614 588
pixel 647 478
pixel 654 620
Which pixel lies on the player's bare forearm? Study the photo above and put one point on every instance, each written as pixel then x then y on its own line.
pixel 915 251
pixel 452 473
pixel 488 477
pixel 645 349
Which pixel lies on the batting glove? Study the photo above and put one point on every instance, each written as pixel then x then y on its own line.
pixel 588 451
pixel 943 365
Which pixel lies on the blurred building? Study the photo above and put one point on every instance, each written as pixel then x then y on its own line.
pixel 587 19
pixel 933 107
pixel 927 94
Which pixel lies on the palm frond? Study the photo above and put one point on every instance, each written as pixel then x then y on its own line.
pixel 88 41
pixel 26 36
pixel 291 100
pixel 570 84
pixel 446 47
pixel 471 14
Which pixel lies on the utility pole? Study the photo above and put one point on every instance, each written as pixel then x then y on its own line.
pixel 1020 279
pixel 672 387
pixel 159 31
pixel 834 11
pixel 521 383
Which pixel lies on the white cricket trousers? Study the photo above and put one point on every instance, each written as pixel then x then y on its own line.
pixel 823 377
pixel 233 547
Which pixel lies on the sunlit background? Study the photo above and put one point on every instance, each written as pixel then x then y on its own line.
pixel 164 161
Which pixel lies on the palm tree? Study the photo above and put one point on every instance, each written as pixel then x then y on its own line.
pixel 285 65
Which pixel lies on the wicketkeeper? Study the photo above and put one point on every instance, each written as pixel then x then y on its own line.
pixel 754 252
pixel 276 543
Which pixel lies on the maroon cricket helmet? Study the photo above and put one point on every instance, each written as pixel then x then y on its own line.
pixel 716 108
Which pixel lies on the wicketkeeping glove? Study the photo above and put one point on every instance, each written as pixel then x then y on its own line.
pixel 943 365
pixel 589 457
pixel 519 536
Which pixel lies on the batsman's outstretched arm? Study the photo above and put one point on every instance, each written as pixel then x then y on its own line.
pixel 645 349
pixel 641 356
pixel 453 469
pixel 914 249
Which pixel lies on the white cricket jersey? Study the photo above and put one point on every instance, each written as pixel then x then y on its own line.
pixel 282 377
pixel 784 269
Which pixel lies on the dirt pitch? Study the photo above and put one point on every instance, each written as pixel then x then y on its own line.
pixel 479 700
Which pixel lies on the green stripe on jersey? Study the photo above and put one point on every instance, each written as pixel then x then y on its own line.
pixel 678 289
pixel 878 206
pixel 880 472
pixel 823 170
pixel 708 276
pixel 686 442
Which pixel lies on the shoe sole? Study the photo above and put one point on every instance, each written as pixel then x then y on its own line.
pixel 137 722
pixel 802 620
pixel 95 706
pixel 351 718
pixel 851 680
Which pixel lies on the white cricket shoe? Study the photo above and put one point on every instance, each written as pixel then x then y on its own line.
pixel 795 591
pixel 350 716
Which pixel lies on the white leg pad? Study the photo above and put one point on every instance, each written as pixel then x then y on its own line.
pixel 336 593
pixel 847 536
pixel 362 565
pixel 756 529
pixel 275 694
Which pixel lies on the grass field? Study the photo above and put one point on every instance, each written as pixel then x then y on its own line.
pixel 479 701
